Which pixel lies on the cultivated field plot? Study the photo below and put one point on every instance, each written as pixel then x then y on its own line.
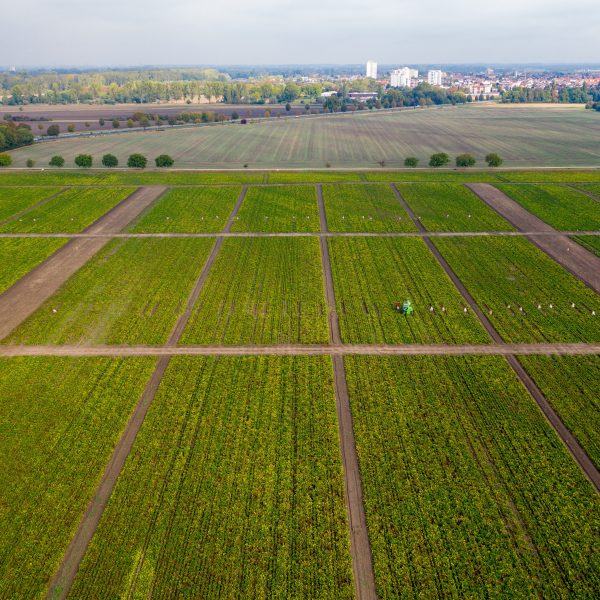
pixel 262 291
pixel 468 492
pixel 60 419
pixel 280 208
pixel 189 210
pixel 372 274
pixel 562 207
pixel 591 242
pixel 18 256
pixel 131 293
pixel 234 489
pixel 572 385
pixel 591 189
pixel 526 295
pixel 69 212
pixel 14 200
pixel 451 207
pixel 364 208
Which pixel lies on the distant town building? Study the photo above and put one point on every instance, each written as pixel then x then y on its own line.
pixel 372 69
pixel 403 77
pixel 434 77
pixel 362 96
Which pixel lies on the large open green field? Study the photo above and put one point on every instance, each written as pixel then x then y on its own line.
pixel 13 201
pixel 523 135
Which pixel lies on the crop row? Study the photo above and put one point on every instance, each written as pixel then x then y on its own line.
pixel 131 293
pixel 560 206
pixel 526 295
pixel 279 208
pixel 372 275
pixel 69 212
pixel 468 491
pixel 60 419
pixel 451 207
pixel 364 208
pixel 263 291
pixel 234 489
pixel 13 200
pixel 189 210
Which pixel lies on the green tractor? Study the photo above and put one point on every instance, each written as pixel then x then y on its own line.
pixel 406 308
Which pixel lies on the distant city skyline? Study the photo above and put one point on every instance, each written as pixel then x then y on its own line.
pixel 111 32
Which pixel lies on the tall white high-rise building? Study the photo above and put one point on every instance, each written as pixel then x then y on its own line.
pixel 403 77
pixel 435 77
pixel 372 69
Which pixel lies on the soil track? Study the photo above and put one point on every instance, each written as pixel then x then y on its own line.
pixel 573 257
pixel 584 461
pixel 67 570
pixel 27 294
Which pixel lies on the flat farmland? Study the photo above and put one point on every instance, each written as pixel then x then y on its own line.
pixel 262 291
pixel 189 210
pixel 279 208
pixel 14 200
pixel 591 242
pixel 572 385
pixel 562 207
pixel 18 256
pixel 372 274
pixel 524 136
pixel 352 208
pixel 60 418
pixel 526 295
pixel 69 212
pixel 234 489
pixel 468 492
pixel 132 292
pixel 451 207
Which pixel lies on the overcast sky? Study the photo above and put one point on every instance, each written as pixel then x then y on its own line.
pixel 132 32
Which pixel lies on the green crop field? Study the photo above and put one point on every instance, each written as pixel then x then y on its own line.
pixel 131 293
pixel 372 274
pixel 14 200
pixel 69 212
pixel 262 291
pixel 18 256
pixel 526 295
pixel 188 210
pixel 591 189
pixel 572 385
pixel 280 208
pixel 558 205
pixel 468 492
pixel 524 136
pixel 591 242
pixel 234 489
pixel 364 208
pixel 59 421
pixel 451 207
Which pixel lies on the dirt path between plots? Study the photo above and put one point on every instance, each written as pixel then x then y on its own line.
pixel 573 257
pixel 578 453
pixel 29 292
pixel 360 546
pixel 65 575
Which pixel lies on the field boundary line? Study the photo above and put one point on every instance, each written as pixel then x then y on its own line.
pixel 360 545
pixel 67 571
pixel 575 449
pixel 581 263
pixel 591 195
pixel 43 201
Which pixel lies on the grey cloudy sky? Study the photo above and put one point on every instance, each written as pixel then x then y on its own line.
pixel 130 32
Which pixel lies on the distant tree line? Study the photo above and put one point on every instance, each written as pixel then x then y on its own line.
pixel 552 94
pixel 13 135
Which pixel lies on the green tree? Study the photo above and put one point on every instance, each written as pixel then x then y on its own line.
pixel 144 122
pixel 234 116
pixel 110 160
pixel 129 123
pixel 288 107
pixel 465 160
pixel 440 159
pixel 101 122
pixel 493 160
pixel 57 161
pixel 53 130
pixel 84 160
pixel 137 161
pixel 70 128
pixel 30 163
pixel 5 160
pixel 116 124
pixel 411 161
pixel 164 160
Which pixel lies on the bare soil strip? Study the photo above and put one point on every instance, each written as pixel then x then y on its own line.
pixel 587 466
pixel 28 294
pixel 304 350
pixel 30 208
pixel 65 575
pixel 573 257
pixel 360 546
